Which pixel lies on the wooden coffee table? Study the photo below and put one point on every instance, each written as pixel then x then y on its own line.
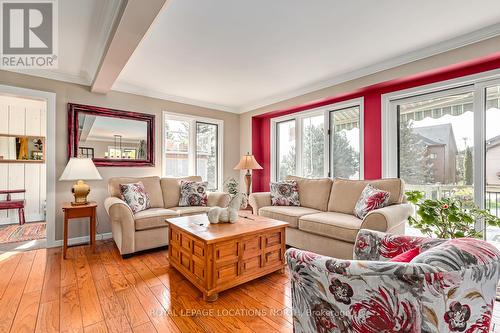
pixel 216 257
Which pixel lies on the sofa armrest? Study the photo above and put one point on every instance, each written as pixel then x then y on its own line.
pixel 387 219
pixel 122 224
pixel 380 246
pixel 219 199
pixel 110 201
pixel 259 200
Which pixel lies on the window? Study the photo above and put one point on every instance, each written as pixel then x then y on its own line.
pixel 206 152
pixel 286 148
pixel 313 146
pixel 193 146
pixel 319 143
pixel 345 142
pixel 453 151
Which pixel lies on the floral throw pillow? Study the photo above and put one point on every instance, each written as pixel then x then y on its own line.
pixel 193 193
pixel 371 198
pixel 135 196
pixel 285 193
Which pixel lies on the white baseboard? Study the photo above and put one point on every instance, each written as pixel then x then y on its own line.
pixel 81 240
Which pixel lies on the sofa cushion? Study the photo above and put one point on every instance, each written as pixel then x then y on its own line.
pixel 171 189
pixel 193 210
pixel 371 198
pixel 313 193
pixel 151 185
pixel 153 218
pixel 340 226
pixel 135 196
pixel 285 193
pixel 193 194
pixel 345 193
pixel 288 214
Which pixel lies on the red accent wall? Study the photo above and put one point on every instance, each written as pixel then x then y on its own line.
pixel 261 140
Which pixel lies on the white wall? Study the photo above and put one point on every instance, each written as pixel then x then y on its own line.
pixel 23 117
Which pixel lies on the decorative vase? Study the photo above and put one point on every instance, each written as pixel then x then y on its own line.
pixel 222 215
pixel 213 214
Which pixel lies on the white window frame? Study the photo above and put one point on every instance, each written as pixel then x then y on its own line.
pixel 192 142
pixel 325 111
pixel 476 83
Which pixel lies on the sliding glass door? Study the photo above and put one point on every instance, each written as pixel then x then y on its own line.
pixel 492 157
pixel 448 145
pixel 436 144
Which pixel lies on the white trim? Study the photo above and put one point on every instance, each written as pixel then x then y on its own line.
pixel 325 111
pixel 50 151
pixel 82 240
pixel 192 154
pixel 136 90
pixel 53 74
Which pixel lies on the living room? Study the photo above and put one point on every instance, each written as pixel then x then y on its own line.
pixel 217 166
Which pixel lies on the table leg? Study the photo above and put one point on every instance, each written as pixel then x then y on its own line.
pixel 65 237
pixel 92 230
pixel 211 298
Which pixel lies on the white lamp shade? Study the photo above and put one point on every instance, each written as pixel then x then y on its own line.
pixel 80 169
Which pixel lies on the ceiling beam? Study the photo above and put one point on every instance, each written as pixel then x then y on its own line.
pixel 132 25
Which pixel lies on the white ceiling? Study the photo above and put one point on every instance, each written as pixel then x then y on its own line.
pixel 236 54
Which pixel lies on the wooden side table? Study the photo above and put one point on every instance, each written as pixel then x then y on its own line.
pixel 73 212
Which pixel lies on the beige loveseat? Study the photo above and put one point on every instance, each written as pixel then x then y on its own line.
pixel 148 229
pixel 324 222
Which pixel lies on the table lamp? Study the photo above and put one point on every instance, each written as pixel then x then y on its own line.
pixel 248 162
pixel 80 169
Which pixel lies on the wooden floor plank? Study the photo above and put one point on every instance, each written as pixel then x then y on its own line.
pixel 52 279
pixel 37 274
pixel 145 328
pixel 70 313
pixel 8 266
pixel 99 327
pixel 156 313
pixel 89 301
pixel 27 312
pixel 118 324
pixel 15 289
pixel 48 317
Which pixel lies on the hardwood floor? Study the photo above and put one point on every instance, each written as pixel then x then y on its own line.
pixel 101 292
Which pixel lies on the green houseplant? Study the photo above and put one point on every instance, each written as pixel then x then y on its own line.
pixel 448 217
pixel 233 189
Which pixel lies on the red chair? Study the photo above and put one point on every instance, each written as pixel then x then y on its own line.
pixel 13 204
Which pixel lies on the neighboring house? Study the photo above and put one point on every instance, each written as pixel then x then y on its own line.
pixel 442 149
pixel 493 161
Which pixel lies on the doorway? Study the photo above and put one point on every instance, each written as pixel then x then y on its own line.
pixel 27 164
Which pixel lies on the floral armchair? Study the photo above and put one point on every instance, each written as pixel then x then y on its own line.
pixel 449 287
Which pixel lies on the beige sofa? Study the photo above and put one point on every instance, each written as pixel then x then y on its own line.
pixel 148 229
pixel 325 223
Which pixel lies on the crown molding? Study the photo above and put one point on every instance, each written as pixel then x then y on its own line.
pixel 448 45
pixel 136 90
pixel 53 74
